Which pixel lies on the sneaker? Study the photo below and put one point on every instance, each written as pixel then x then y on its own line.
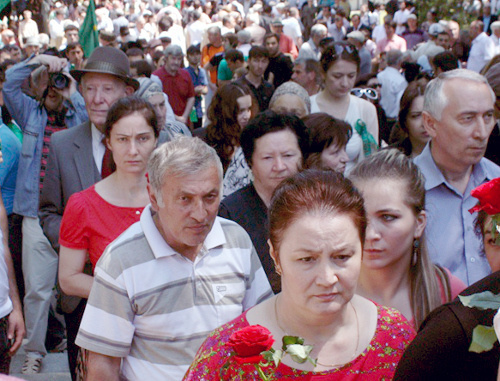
pixel 31 365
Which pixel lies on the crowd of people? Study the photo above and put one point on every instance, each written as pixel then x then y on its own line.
pixel 212 167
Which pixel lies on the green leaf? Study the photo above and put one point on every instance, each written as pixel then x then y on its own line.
pixel 290 340
pixel 483 338
pixel 483 300
pixel 273 355
pixel 299 353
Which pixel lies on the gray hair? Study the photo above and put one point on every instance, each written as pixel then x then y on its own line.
pixel 173 50
pixel 394 57
pixel 182 156
pixel 292 88
pixel 318 29
pixel 434 98
pixel 244 36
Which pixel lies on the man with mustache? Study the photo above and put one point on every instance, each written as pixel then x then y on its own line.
pixel 458 115
pixel 170 279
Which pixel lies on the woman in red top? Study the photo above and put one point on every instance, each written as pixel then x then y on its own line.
pixel 396 270
pixel 96 216
pixel 317 228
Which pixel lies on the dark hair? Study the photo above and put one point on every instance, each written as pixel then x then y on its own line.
pixel 193 49
pixel 234 55
pixel 258 51
pixel 324 130
pixel 267 122
pixel 363 79
pixel 157 55
pixel 232 38
pixel 165 23
pixel 143 68
pixel 73 45
pixel 271 35
pixel 415 89
pixel 339 51
pixel 392 24
pixel 479 223
pixel 126 106
pixel 313 191
pixel 445 61
pixel 134 52
pixel 326 42
pixel 223 133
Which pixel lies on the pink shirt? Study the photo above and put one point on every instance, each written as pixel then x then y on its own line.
pixel 396 43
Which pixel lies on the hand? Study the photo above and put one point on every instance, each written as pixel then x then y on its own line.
pixel 16 330
pixel 181 119
pixel 54 64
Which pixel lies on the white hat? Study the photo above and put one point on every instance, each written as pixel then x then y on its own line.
pixel 33 41
pixel 357 35
pixel 436 29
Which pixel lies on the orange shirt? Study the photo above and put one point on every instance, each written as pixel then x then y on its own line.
pixel 207 53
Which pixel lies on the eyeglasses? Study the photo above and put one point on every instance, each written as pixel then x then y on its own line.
pixel 369 93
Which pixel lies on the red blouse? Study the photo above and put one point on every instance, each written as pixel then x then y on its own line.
pixel 91 223
pixel 377 362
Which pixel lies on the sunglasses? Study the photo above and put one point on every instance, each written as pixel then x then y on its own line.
pixel 369 93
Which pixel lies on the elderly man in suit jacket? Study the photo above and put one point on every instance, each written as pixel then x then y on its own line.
pixel 76 157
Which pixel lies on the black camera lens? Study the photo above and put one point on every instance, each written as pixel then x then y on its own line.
pixel 59 81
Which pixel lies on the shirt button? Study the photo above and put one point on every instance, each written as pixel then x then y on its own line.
pixel 137 212
pixel 473 260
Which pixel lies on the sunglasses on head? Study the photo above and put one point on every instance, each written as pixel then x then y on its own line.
pixel 369 93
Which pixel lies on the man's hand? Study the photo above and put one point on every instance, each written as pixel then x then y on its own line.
pixel 67 91
pixel 16 330
pixel 181 119
pixel 54 64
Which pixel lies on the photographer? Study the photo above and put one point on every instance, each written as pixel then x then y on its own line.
pixel 57 105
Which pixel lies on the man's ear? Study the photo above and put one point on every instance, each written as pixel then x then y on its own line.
pixel 152 197
pixel 430 124
pixel 129 90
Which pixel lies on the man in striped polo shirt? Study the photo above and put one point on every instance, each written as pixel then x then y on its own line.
pixel 170 279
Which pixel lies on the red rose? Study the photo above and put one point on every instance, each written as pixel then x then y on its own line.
pixel 248 343
pixel 488 195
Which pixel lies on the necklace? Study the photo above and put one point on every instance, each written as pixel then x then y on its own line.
pixel 317 361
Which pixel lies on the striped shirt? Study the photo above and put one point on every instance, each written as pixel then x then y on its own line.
pixel 154 307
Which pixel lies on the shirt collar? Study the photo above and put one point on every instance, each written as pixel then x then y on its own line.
pixel 161 248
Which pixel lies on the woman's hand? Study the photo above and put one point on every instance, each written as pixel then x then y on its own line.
pixel 72 279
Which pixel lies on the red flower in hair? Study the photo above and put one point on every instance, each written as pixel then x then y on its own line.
pixel 488 195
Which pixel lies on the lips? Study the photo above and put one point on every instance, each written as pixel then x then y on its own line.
pixel 327 297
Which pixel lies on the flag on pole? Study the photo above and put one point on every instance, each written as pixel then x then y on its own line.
pixel 3 4
pixel 89 37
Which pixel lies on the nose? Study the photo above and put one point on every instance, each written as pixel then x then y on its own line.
pixel 344 158
pixel 98 95
pixel 372 234
pixel 279 164
pixel 327 274
pixel 133 148
pixel 199 212
pixel 484 127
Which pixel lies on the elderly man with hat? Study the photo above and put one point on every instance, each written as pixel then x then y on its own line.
pixel 58 106
pixel 32 46
pixel 78 157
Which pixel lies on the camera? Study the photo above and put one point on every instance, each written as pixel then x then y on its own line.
pixel 58 81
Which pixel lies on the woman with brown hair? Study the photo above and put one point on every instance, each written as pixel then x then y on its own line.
pixel 396 269
pixel 317 228
pixel 229 112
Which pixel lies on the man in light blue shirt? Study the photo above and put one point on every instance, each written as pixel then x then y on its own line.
pixel 458 115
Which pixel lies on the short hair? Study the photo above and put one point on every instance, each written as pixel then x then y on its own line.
pixel 310 65
pixel 234 55
pixel 318 29
pixel 165 23
pixel 143 68
pixel 182 156
pixel 271 35
pixel 435 100
pixel 392 24
pixel 445 61
pixel 214 29
pixel 134 52
pixel 231 38
pixel 324 131
pixel 73 45
pixel 193 49
pixel 394 57
pixel 339 51
pixel 244 36
pixel 267 122
pixel 314 191
pixel 258 51
pixel 124 107
pixel 173 50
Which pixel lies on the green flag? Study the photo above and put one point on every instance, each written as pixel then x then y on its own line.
pixel 89 37
pixel 3 4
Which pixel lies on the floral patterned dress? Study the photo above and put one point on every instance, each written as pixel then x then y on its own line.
pixel 378 362
pixel 237 175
